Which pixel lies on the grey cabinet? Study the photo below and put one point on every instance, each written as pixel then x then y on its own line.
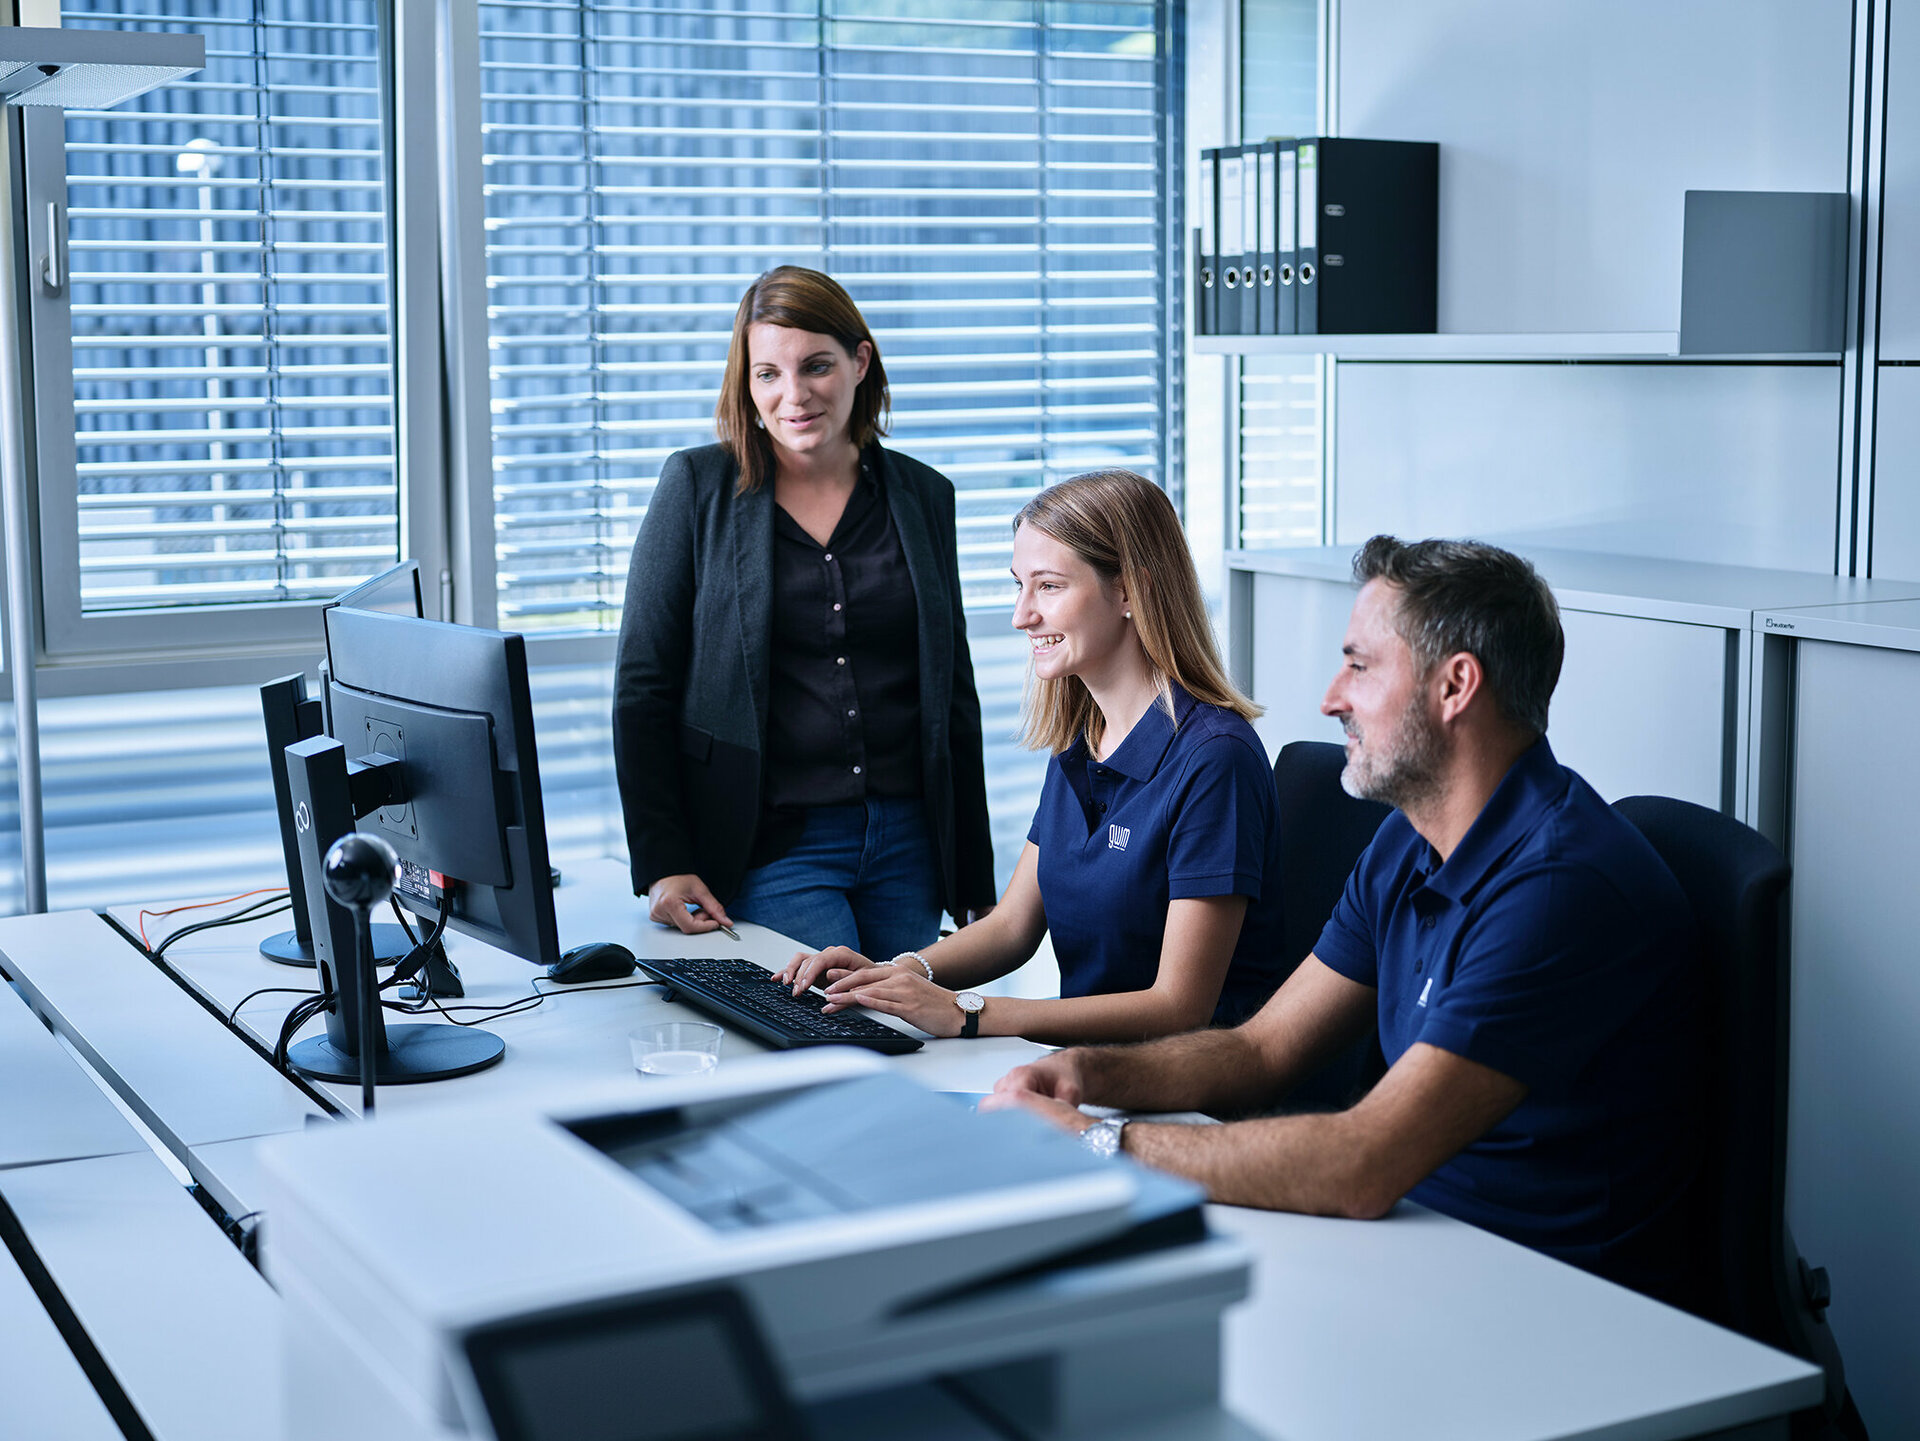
pixel 1853 1157
pixel 1667 689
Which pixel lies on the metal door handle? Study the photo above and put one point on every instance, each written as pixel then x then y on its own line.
pixel 53 270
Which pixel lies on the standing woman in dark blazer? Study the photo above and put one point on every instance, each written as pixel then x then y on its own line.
pixel 795 726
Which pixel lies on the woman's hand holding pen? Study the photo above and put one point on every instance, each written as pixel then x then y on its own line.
pixel 685 903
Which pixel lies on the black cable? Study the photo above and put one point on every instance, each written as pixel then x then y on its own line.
pixel 234 1014
pixel 302 1012
pixel 416 960
pixel 514 1007
pixel 259 910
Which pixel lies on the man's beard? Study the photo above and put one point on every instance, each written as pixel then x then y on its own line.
pixel 1405 774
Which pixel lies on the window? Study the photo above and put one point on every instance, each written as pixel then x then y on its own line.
pixel 228 329
pixel 986 179
pixel 1279 498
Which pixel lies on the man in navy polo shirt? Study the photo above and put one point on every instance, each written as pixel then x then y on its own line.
pixel 1528 959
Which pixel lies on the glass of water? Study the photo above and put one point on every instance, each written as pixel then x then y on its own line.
pixel 676 1048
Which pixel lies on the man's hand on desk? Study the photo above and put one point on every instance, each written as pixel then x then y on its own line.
pixel 1056 1077
pixel 1067 1117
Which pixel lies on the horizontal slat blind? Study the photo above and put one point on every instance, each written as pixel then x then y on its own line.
pixel 1280 494
pixel 233 368
pixel 984 177
pixel 165 794
pixel 1280 471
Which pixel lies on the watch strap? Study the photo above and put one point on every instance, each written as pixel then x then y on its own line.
pixel 970 1024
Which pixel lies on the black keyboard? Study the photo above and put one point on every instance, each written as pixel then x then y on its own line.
pixel 746 996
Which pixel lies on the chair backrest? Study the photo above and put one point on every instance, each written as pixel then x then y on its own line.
pixel 1323 830
pixel 1736 882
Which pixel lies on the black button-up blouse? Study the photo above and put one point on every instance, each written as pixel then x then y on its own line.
pixel 843 718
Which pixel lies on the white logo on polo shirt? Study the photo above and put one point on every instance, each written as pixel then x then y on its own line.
pixel 1117 837
pixel 1425 991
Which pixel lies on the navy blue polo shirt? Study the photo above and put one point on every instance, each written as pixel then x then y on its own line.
pixel 1554 946
pixel 1184 807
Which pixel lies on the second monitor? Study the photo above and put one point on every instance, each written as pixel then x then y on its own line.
pixel 431 748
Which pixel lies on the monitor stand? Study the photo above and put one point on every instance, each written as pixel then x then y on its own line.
pixel 413 1053
pixel 290 948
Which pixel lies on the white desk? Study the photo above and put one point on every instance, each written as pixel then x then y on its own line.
pixel 190 1331
pixel 178 1067
pixel 50 1109
pixel 43 1391
pixel 1413 1326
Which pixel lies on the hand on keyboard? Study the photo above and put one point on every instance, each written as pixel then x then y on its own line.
pixel 746 996
pixel 817 968
pixel 897 991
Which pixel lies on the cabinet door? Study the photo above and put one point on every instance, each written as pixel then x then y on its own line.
pixel 1900 212
pixel 1642 707
pixel 1853 1132
pixel 1295 649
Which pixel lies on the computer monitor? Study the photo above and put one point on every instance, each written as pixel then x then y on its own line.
pixel 431 749
pixel 451 705
pixel 290 716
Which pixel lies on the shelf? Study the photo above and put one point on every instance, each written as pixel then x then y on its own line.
pixel 1542 345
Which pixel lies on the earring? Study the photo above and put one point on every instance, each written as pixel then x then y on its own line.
pixel 1129 615
pixel 758 423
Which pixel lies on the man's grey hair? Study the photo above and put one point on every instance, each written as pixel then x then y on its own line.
pixel 1462 595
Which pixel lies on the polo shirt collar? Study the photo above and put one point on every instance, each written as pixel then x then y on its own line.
pixel 1140 754
pixel 1534 782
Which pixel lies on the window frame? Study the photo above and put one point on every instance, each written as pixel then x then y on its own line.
pixel 212 643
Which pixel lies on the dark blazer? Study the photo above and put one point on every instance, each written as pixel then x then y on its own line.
pixel 691 681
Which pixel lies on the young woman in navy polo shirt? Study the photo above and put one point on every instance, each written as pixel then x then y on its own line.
pixel 1153 858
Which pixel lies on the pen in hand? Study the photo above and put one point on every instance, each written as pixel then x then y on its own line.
pixel 694 910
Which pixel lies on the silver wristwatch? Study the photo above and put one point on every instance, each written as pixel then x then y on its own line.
pixel 1103 1136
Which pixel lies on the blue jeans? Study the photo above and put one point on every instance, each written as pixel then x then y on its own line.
pixel 860 875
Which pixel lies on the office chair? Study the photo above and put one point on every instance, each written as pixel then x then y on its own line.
pixel 1755 1282
pixel 1323 830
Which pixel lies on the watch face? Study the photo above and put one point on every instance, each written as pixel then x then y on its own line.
pixel 969 1001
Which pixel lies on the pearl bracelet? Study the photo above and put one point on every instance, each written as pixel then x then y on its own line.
pixel 916 958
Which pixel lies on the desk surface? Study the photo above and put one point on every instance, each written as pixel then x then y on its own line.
pixel 68 1117
pixel 1413 1325
pixel 43 1391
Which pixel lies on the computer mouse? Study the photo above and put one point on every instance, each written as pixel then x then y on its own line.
pixel 595 961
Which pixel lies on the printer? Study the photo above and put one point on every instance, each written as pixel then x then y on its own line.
pixel 803 1245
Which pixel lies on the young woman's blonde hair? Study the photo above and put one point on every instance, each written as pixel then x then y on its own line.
pixel 799 299
pixel 1123 525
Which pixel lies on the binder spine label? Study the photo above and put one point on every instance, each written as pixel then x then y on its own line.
pixel 1232 213
pixel 1289 197
pixel 1206 263
pixel 1269 319
pixel 1309 182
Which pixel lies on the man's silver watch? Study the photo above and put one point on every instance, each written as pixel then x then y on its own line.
pixel 1103 1136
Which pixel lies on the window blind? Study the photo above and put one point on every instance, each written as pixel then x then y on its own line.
pixel 987 180
pixel 232 343
pixel 1279 495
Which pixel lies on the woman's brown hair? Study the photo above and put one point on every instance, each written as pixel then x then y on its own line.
pixel 1123 525
pixel 799 299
